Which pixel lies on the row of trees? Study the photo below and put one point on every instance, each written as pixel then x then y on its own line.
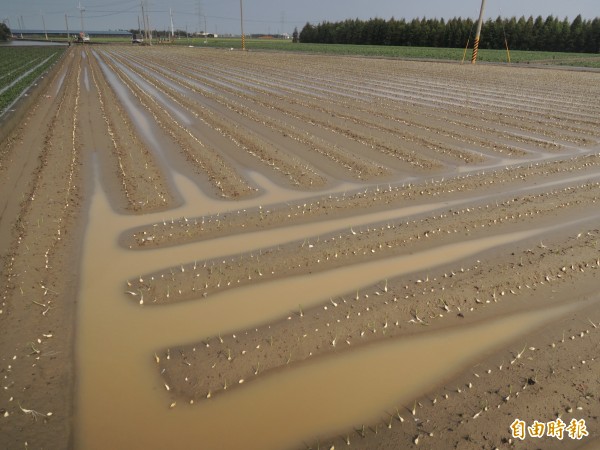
pixel 550 34
pixel 4 32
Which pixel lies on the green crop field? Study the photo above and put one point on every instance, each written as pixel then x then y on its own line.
pixel 21 66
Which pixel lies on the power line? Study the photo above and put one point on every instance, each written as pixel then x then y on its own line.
pixel 121 3
pixel 112 13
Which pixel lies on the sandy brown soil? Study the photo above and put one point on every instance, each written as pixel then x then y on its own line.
pixel 485 152
pixel 377 241
pixel 41 228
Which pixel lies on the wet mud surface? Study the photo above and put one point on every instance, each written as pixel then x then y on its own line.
pixel 215 249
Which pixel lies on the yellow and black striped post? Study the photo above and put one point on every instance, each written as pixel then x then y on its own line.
pixel 475 50
pixel 478 34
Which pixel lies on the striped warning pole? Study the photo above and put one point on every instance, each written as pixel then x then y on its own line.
pixel 478 34
pixel 475 51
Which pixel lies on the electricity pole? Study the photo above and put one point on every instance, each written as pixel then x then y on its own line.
pixel 44 23
pixel 67 24
pixel 242 23
pixel 81 10
pixel 146 21
pixel 199 11
pixel 172 31
pixel 478 34
pixel 148 24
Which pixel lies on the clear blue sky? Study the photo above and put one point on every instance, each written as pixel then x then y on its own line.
pixel 274 16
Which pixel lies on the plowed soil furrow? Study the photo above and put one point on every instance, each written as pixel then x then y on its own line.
pixel 38 289
pixel 266 250
pixel 399 73
pixel 142 180
pixel 403 76
pixel 385 105
pixel 297 172
pixel 362 169
pixel 367 110
pixel 504 99
pixel 473 99
pixel 491 390
pixel 348 247
pixel 185 230
pixel 208 160
pixel 217 364
pixel 307 114
pixel 294 109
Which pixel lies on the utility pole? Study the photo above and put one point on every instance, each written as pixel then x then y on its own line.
pixel 146 21
pixel 44 23
pixel 172 30
pixel 148 24
pixel 22 26
pixel 67 24
pixel 81 10
pixel 478 34
pixel 242 23
pixel 200 13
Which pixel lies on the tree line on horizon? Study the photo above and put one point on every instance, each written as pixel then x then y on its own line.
pixel 539 34
pixel 4 32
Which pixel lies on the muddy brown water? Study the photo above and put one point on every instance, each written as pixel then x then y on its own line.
pixel 123 404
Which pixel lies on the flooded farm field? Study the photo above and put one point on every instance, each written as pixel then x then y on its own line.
pixel 251 250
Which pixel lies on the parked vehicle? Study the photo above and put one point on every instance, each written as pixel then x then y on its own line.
pixel 82 38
